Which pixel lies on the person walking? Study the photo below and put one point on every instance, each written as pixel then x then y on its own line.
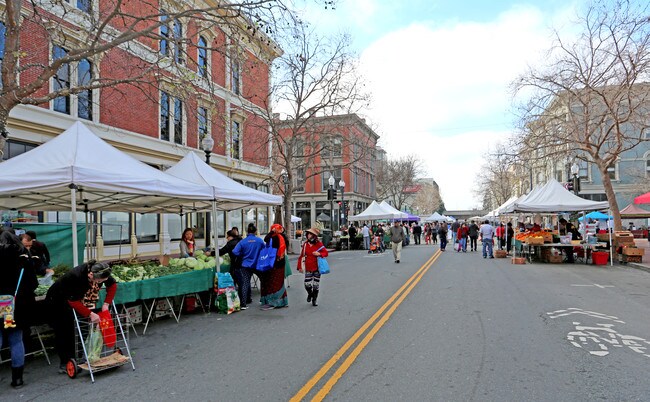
pixel 274 294
pixel 454 231
pixel 462 235
pixel 248 249
pixel 365 232
pixel 16 277
pixel 501 236
pixel 473 236
pixel 434 234
pixel 487 237
pixel 312 248
pixel 442 234
pixel 510 233
pixel 396 239
pixel 417 233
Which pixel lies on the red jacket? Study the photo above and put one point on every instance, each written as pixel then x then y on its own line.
pixel 463 232
pixel 311 261
pixel 500 232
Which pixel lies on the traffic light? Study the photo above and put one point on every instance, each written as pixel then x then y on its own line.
pixel 331 194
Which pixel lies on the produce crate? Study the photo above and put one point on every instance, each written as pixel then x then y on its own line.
pixel 633 251
pixel 548 237
pixel 135 314
pixel 500 253
pixel 535 240
pixel 632 258
pixel 518 260
pixel 555 259
pixel 162 309
pixel 603 237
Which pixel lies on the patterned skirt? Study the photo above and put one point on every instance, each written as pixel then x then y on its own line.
pixel 272 287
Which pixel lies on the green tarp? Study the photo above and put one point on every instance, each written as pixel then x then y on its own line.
pixel 58 239
pixel 165 286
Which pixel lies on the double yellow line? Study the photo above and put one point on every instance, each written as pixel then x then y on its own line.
pixel 393 302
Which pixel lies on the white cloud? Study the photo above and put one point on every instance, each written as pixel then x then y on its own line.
pixel 430 82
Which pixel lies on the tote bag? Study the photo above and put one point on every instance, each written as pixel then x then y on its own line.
pixel 323 265
pixel 267 257
pixel 7 305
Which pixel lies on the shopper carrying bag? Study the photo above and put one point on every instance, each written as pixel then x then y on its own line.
pixel 312 249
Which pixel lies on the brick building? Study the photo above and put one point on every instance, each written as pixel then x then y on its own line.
pixel 157 122
pixel 343 146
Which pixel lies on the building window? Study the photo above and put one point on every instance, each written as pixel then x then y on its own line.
pixel 61 81
pixel 203 124
pixel 235 79
pixel 263 188
pixel 647 166
pixel 85 98
pixel 337 146
pixel 84 5
pixel 174 226
pixel 164 36
pixel 171 118
pixel 355 179
pixel 558 175
pixel 300 179
pixel 235 140
pixel 3 32
pixel 325 176
pixel 202 59
pixel 146 227
pixel 178 45
pixel 14 148
pixel 250 184
pixel 612 172
pixel 116 227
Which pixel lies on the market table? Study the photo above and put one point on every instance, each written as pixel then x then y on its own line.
pixel 529 254
pixel 163 287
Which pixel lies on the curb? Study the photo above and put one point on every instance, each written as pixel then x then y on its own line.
pixel 638 266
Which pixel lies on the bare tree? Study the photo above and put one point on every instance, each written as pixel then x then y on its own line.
pixel 495 181
pixel 428 199
pixel 312 105
pixel 396 175
pixel 147 43
pixel 591 101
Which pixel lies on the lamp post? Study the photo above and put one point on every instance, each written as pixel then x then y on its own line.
pixel 342 186
pixel 207 143
pixel 285 180
pixel 575 170
pixel 331 182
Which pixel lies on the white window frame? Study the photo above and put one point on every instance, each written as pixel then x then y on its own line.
pixel 198 124
pixel 616 171
pixel 171 117
pixel 646 159
pixel 208 56
pixel 240 148
pixel 74 80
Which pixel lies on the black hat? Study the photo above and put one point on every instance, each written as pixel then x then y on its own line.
pixel 101 270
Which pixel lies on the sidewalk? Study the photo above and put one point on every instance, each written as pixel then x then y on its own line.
pixel 645 265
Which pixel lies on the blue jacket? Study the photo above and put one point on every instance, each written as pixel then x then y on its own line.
pixel 249 249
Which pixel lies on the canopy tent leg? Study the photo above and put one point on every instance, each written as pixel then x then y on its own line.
pixel 73 208
pixel 609 230
pixel 214 234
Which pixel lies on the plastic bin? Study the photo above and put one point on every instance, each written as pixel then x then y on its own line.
pixel 600 257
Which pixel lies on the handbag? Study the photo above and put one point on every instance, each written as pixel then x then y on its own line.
pixel 266 260
pixel 323 265
pixel 7 305
pixel 227 300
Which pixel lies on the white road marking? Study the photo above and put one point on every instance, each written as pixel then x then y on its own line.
pixel 573 310
pixel 596 285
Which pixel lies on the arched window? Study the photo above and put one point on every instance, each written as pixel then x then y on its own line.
pixel 202 59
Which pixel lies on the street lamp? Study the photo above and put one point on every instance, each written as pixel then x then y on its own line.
pixel 331 182
pixel 207 144
pixel 285 181
pixel 342 185
pixel 575 170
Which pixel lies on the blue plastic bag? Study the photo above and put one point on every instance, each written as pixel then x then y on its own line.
pixel 224 280
pixel 323 266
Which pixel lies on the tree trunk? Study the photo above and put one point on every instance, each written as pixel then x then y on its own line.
pixel 611 197
pixel 3 131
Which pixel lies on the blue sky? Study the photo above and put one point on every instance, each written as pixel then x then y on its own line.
pixel 439 73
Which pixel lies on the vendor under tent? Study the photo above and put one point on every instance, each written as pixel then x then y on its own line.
pixel 634 212
pixel 373 212
pixel 79 169
pixel 396 213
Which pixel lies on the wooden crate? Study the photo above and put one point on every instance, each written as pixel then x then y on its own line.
pixel 633 251
pixel 500 253
pixel 632 258
pixel 518 260
pixel 535 241
pixel 555 259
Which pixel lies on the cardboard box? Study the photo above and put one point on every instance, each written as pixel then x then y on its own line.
pixel 632 258
pixel 135 314
pixel 518 260
pixel 555 259
pixel 633 251
pixel 500 253
pixel 162 309
pixel 535 240
pixel 548 237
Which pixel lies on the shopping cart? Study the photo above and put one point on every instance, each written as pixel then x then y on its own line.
pixel 110 357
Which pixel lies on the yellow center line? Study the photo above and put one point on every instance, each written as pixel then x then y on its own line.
pixel 300 395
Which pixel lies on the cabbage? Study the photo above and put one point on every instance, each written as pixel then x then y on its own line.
pixel 199 265
pixel 210 264
pixel 202 257
pixel 198 253
pixel 173 262
pixel 191 262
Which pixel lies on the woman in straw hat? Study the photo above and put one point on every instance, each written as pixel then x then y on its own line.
pixel 308 262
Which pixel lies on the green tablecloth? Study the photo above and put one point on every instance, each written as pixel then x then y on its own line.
pixel 165 286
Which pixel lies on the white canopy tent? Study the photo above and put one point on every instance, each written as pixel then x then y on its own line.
pixel 553 197
pixel 434 217
pixel 78 169
pixel 397 214
pixel 229 194
pixel 295 219
pixel 374 211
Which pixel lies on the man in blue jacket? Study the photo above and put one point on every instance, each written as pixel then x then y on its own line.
pixel 248 250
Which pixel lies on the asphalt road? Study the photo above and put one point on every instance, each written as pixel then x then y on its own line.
pixel 471 329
